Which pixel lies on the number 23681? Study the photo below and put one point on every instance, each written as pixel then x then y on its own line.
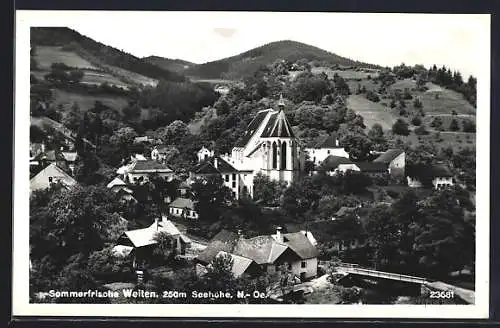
pixel 442 294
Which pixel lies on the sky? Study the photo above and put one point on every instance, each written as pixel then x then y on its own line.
pixel 457 41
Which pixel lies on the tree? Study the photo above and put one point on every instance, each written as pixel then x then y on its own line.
pixel 376 135
pixel 416 121
pixel 175 132
pixel 106 266
pixel 267 191
pixel 165 248
pixel 75 76
pixel 454 125
pixel 468 126
pixel 417 103
pixel 355 141
pixel 400 127
pixel 210 195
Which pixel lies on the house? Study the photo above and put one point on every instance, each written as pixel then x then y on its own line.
pixel 144 139
pixel 70 158
pixel 373 169
pixel 49 176
pixel 183 208
pixel 338 164
pixel 123 191
pixel 238 181
pixel 294 251
pixel 224 240
pixel 241 265
pixel 395 159
pixel 140 171
pixel 204 154
pixel 438 176
pixel 143 241
pixel 160 152
pixel 319 151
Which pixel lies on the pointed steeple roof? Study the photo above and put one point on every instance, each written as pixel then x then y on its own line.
pixel 278 125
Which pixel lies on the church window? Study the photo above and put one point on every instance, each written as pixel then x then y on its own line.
pixel 275 155
pixel 283 156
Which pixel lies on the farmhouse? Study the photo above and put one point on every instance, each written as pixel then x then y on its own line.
pixel 318 152
pixel 123 191
pixel 49 176
pixel 395 159
pixel 183 208
pixel 438 176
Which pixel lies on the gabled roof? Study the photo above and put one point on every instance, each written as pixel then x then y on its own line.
pixel 150 166
pixel 240 263
pixel 331 162
pixel 223 241
pixel 261 249
pixel 145 236
pixel 300 244
pixel 431 171
pixel 388 156
pixel 116 182
pixel 441 171
pixel 252 128
pixel 278 126
pixel 70 156
pixel 208 166
pixel 53 155
pixel 372 167
pixel 41 180
pixel 182 203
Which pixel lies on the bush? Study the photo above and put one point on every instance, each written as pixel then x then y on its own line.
pixel 372 96
pixel 417 121
pixel 468 126
pixel 454 125
pixel 400 127
pixel 60 66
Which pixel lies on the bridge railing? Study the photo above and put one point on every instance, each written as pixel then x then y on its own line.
pixel 383 274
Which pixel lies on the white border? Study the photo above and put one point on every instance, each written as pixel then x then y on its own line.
pixel 20 298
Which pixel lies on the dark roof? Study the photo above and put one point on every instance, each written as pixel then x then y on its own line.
pixel 278 126
pixel 252 127
pixel 223 241
pixel 332 162
pixel 388 156
pixel 431 171
pixel 299 243
pixel 208 167
pixel 372 167
pixel 150 165
pixel 53 155
pixel 261 249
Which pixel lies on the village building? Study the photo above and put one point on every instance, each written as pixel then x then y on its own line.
pixel 183 208
pixel 395 159
pixel 123 191
pixel 374 169
pixel 49 176
pixel 140 171
pixel 329 146
pixel 204 154
pixel 238 181
pixel 140 243
pixel 438 176
pixel 338 164
pixel 293 251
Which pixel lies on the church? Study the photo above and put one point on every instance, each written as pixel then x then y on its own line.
pixel 268 146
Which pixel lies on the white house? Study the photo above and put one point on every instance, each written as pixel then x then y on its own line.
pixel 338 164
pixel 328 146
pixel 439 176
pixel 395 159
pixel 204 154
pixel 183 207
pixel 119 186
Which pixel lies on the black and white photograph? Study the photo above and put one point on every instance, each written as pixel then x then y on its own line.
pixel 251 164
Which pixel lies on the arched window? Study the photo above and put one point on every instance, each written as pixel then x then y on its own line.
pixel 275 155
pixel 283 156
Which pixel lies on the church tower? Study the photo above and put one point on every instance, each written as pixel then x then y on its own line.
pixel 283 158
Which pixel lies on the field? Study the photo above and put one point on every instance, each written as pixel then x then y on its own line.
pixel 437 99
pixel 372 112
pixel 456 140
pixel 87 101
pixel 46 56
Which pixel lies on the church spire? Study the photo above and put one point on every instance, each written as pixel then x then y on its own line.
pixel 281 102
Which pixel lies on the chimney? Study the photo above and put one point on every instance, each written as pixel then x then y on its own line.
pixel 336 142
pixel 216 162
pixel 279 236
